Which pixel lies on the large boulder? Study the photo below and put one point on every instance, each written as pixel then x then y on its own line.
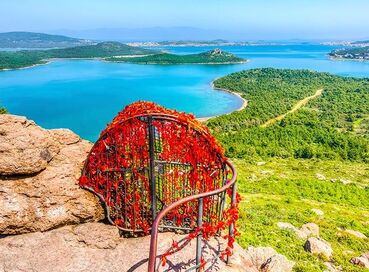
pixel 318 246
pixel 266 259
pixel 39 171
pixel 306 230
pixel 356 233
pixel 362 260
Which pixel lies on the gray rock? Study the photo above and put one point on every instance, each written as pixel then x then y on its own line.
pixel 320 176
pixel 357 234
pixel 317 212
pixel 332 268
pixel 318 246
pixel 307 230
pixel 362 260
pixel 346 181
pixel 266 259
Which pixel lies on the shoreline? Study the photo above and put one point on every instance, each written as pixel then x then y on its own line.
pixel 243 106
pixel 48 61
pixel 184 63
pixel 346 59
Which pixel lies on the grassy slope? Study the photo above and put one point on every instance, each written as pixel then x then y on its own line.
pixel 286 187
pixel 165 58
pixel 286 191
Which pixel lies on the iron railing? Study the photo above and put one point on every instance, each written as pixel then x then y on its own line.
pixel 200 197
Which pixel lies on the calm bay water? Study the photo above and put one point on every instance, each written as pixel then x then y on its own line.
pixel 85 95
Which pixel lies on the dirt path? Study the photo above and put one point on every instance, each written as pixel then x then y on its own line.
pixel 298 105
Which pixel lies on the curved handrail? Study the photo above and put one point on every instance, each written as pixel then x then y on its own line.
pixel 160 216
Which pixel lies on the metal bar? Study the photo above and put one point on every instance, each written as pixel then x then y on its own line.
pixel 159 217
pixel 172 162
pixel 231 226
pixel 152 167
pixel 199 235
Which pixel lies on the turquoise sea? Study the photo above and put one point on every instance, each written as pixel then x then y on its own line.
pixel 84 95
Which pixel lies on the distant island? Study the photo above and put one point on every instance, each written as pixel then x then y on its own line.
pixel 27 58
pixel 112 51
pixel 33 40
pixel 196 43
pixel 347 43
pixel 215 56
pixel 353 53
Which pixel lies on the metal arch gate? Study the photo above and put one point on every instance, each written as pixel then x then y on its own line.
pixel 144 163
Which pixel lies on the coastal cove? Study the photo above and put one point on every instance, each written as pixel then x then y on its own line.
pixel 84 95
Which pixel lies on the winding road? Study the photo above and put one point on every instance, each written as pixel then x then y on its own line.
pixel 298 105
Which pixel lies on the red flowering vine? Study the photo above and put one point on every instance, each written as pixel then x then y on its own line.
pixel 188 160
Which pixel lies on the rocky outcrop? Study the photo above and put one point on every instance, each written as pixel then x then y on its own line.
pixel 266 259
pixel 362 260
pixel 99 247
pixel 319 247
pixel 39 172
pixel 307 230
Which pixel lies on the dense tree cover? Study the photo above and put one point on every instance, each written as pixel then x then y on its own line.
pixel 24 58
pixel 38 40
pixel 210 57
pixel 3 110
pixel 324 128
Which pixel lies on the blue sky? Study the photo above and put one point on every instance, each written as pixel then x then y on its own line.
pixel 253 19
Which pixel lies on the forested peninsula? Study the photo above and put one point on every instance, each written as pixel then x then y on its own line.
pixel 26 58
pixel 215 56
pixel 114 52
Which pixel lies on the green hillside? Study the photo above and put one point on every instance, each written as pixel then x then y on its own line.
pixel 215 56
pixel 38 40
pixel 25 58
pixel 314 158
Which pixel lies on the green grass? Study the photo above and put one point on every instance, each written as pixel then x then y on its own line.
pixel 285 190
pixel 326 137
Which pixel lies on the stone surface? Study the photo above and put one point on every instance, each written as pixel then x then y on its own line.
pixel 362 260
pixel 332 268
pixel 39 171
pixel 307 230
pixel 320 176
pixel 266 259
pixel 318 246
pixel 357 234
pixel 24 147
pixel 99 247
pixel 317 212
